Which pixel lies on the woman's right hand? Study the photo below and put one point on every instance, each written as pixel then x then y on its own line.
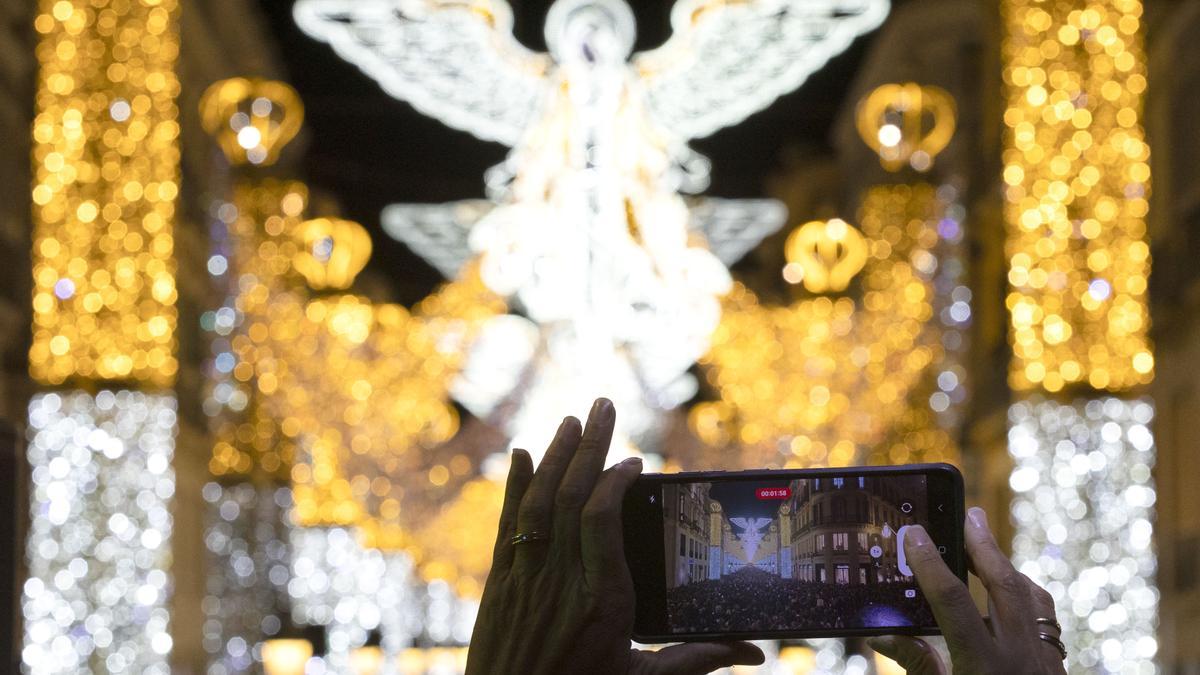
pixel 1008 642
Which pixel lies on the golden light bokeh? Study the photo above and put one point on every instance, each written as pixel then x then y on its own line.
pixel 363 394
pixel 262 220
pixel 821 381
pixel 106 177
pixel 1076 180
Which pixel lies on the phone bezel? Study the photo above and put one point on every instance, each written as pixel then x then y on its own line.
pixel 644 545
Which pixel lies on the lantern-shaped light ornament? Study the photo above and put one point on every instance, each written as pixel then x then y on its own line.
pixel 251 119
pixel 332 252
pixel 824 255
pixel 906 124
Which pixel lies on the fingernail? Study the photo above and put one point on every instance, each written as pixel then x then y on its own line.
pixel 978 518
pixel 917 535
pixel 632 462
pixel 601 409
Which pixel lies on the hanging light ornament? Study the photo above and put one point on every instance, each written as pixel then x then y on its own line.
pixel 906 124
pixel 331 252
pixel 251 119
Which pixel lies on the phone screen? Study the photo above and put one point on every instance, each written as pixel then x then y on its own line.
pixel 787 552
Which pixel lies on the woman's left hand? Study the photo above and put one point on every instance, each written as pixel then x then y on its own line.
pixel 564 603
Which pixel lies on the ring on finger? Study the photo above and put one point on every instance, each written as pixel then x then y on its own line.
pixel 1054 642
pixel 1051 622
pixel 529 537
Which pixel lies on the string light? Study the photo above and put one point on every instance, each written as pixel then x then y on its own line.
pixel 96 599
pixel 106 176
pixel 824 379
pixel 363 392
pixel 1076 179
pixel 1083 508
pixel 254 234
pixel 246 600
pixel 106 167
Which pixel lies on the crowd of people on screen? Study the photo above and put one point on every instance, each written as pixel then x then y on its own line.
pixel 754 599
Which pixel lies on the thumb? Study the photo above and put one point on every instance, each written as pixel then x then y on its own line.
pixel 913 654
pixel 701 657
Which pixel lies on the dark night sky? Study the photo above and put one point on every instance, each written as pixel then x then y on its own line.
pixel 368 150
pixel 739 498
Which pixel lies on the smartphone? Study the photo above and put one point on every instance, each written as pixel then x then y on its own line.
pixel 793 553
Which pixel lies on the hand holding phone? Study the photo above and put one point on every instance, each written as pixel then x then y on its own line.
pixel 787 554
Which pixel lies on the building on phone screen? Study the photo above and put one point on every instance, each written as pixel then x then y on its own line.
pixel 839 530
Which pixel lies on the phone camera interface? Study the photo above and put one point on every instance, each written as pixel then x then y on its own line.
pixel 805 554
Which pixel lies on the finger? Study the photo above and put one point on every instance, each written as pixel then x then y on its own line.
pixel 948 597
pixel 534 515
pixel 1008 589
pixel 1043 607
pixel 914 655
pixel 602 544
pixel 580 478
pixel 702 657
pixel 520 472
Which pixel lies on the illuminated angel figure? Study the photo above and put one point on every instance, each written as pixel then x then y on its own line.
pixel 587 229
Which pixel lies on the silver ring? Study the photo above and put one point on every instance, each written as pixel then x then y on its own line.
pixel 527 537
pixel 1053 623
pixel 1055 642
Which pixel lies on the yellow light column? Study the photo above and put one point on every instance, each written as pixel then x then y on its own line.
pixel 106 166
pixel 1076 179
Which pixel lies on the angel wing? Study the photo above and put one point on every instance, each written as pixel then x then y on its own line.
pixel 734 226
pixel 727 59
pixel 454 60
pixel 436 232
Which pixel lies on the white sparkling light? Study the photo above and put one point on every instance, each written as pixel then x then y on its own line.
pixel 1083 511
pixel 96 598
pixel 247 545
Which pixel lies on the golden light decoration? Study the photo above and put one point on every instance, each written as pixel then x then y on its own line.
pixel 907 124
pixel 331 252
pixel 825 379
pixel 251 119
pixel 1076 178
pixel 824 255
pixel 362 390
pixel 106 177
pixel 453 544
pixel 261 220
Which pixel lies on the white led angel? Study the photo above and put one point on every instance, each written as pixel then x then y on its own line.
pixel 587 230
pixel 751 536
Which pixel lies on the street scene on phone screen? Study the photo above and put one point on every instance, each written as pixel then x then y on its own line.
pixel 812 553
